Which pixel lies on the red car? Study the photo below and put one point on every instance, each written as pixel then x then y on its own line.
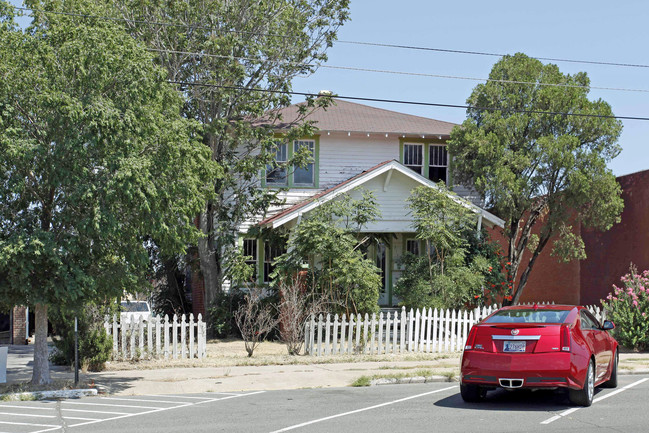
pixel 539 347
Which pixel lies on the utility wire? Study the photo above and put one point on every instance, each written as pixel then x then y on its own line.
pixel 399 101
pixel 375 44
pixel 385 71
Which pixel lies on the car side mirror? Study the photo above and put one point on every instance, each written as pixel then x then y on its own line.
pixel 608 325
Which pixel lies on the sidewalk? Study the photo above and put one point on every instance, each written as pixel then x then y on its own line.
pixel 248 378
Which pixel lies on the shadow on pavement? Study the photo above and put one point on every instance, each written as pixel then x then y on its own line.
pixel 522 400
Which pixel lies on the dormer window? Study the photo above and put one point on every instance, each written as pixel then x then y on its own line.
pixel 428 160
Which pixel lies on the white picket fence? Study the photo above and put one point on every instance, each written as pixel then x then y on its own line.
pixel 425 331
pixel 177 338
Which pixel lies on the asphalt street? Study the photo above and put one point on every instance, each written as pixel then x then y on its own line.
pixel 389 408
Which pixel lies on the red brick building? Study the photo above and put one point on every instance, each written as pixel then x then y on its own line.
pixel 609 254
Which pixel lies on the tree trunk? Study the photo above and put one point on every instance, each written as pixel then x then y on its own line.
pixel 41 371
pixel 210 268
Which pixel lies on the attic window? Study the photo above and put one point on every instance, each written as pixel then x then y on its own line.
pixel 438 163
pixel 413 157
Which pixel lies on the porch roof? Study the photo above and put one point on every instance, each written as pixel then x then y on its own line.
pixel 322 197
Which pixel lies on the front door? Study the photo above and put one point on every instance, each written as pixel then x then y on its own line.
pixel 382 264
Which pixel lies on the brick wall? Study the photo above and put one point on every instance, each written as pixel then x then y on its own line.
pixel 19 324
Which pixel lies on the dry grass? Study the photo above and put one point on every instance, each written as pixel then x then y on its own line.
pixel 223 353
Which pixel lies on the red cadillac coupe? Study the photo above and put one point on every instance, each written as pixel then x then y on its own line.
pixel 539 347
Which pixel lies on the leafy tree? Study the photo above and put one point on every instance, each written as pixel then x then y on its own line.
pixel 94 160
pixel 452 269
pixel 540 168
pixel 234 62
pixel 329 241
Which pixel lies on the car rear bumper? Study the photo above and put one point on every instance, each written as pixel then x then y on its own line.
pixel 536 370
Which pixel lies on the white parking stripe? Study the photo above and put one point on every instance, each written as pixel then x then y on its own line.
pixel 27 414
pixel 30 424
pixel 81 419
pixel 26 407
pixel 144 400
pixel 94 411
pixel 598 399
pixel 112 405
pixel 194 398
pixel 362 409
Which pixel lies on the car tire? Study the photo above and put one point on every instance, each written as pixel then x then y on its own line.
pixel 612 381
pixel 472 393
pixel 584 396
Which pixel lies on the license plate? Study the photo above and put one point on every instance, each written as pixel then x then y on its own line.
pixel 514 346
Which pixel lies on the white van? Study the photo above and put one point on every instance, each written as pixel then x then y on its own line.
pixel 131 311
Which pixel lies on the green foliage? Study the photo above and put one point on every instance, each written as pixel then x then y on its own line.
pixel 628 308
pixel 221 323
pixel 249 54
pixel 327 243
pixel 94 158
pixel 95 346
pixel 539 170
pixel 456 264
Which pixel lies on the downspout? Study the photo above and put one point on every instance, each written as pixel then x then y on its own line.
pixel 479 228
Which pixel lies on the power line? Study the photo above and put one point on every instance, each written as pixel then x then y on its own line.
pixel 399 101
pixel 385 71
pixel 376 44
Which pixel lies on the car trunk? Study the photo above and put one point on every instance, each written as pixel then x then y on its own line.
pixel 518 337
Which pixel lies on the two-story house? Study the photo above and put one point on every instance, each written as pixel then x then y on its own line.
pixel 384 151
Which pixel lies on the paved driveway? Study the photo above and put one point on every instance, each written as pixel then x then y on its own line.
pixel 411 408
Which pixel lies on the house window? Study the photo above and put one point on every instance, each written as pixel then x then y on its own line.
pixel 250 252
pixel 437 163
pixel 276 172
pixel 271 253
pixel 303 176
pixel 412 246
pixel 413 157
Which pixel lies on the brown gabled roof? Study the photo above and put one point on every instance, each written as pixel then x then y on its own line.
pixel 345 116
pixel 303 203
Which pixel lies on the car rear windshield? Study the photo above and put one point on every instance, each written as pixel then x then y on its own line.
pixel 528 316
pixel 135 307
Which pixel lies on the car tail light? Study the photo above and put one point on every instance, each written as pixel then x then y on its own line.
pixel 565 339
pixel 471 339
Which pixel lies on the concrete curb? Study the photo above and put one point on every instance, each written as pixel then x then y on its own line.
pixel 416 379
pixel 42 395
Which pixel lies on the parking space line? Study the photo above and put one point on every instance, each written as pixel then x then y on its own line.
pixel 110 404
pixel 192 397
pixel 95 411
pixel 81 419
pixel 27 423
pixel 2 406
pixel 598 399
pixel 376 406
pixel 144 400
pixel 27 414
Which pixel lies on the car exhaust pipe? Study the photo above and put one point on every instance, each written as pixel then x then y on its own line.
pixel 511 383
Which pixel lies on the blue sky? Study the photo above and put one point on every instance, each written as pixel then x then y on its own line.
pixel 584 30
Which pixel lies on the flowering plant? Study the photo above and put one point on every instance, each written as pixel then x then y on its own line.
pixel 628 308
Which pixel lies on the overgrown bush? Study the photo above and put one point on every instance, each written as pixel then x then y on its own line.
pixel 221 323
pixel 628 308
pixel 255 318
pixel 95 346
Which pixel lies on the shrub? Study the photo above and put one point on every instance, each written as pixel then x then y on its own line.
pixel 95 346
pixel 628 308
pixel 221 323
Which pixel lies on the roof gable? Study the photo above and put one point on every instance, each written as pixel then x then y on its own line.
pixel 298 209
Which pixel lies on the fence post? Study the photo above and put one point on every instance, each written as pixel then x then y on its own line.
pixel 174 337
pixel 312 336
pixel 307 336
pixel 191 336
pixel 201 328
pixel 343 328
pixel 453 330
pixel 402 331
pixel 380 352
pixel 183 337
pixel 366 323
pixel 158 350
pixel 140 334
pixel 319 350
pixel 417 325
pixel 373 334
pixel 429 320
pixel 149 337
pixel 334 343
pixel 388 325
pixel 350 335
pixel 132 326
pixel 327 334
pixel 359 320
pixel 115 337
pixel 166 336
